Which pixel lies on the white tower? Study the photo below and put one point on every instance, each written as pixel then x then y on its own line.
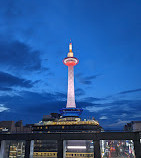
pixel 70 61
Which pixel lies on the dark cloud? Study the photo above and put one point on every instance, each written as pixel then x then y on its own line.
pixel 61 95
pixel 33 102
pixel 18 55
pixel 117 109
pixel 36 97
pixel 92 99
pixel 91 77
pixel 85 80
pixel 8 80
pixel 46 108
pixel 5 89
pixel 85 104
pixel 130 91
pixel 79 92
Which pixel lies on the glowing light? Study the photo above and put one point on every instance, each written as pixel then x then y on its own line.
pixel 70 47
pixel 70 61
pixel 76 147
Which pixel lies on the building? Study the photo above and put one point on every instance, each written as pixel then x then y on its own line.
pixel 14 127
pixel 14 149
pixel 133 126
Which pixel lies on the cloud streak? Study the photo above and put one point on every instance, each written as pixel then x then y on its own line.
pixel 119 123
pixel 97 109
pixel 3 108
pixel 103 118
pixel 130 91
pixel 7 80
pixel 92 99
pixel 5 89
pixel 85 80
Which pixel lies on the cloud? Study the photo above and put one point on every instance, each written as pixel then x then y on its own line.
pixel 3 108
pixel 97 109
pixel 126 105
pixel 28 101
pixel 5 89
pixel 61 95
pixel 92 99
pixel 103 118
pixel 79 92
pixel 91 77
pixel 18 55
pixel 136 115
pixel 117 109
pixel 121 115
pixel 130 91
pixel 118 123
pixel 7 80
pixel 85 80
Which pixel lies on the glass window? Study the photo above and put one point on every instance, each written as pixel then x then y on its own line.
pixel 45 148
pixel 14 148
pixel 117 148
pixel 78 148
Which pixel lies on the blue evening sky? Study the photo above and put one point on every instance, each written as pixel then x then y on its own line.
pixel 106 38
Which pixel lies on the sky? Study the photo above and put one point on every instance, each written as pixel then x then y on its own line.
pixel 34 39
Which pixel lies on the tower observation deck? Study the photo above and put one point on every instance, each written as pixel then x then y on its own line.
pixel 71 109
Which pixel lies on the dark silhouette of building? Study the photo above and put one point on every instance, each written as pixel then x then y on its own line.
pixel 14 127
pixel 133 126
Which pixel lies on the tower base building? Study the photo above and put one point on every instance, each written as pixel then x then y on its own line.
pixel 69 118
pixel 68 121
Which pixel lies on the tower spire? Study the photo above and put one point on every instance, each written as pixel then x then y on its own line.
pixel 70 46
pixel 70 53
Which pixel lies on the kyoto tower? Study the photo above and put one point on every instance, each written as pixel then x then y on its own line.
pixel 70 109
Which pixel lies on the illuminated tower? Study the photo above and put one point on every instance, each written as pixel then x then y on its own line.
pixel 70 61
pixel 70 109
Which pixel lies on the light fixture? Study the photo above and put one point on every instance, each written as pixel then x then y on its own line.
pixel 76 147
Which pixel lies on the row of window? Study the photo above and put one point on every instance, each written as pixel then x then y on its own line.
pixel 66 127
pixel 50 154
pixel 80 155
pixel 54 154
